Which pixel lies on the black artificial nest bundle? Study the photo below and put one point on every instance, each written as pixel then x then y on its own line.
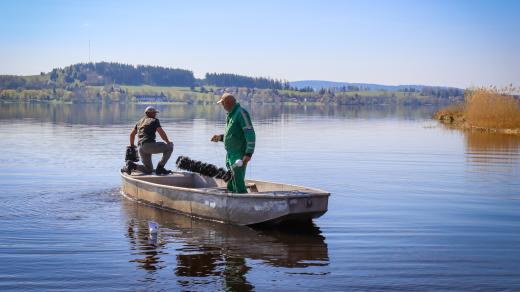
pixel 131 154
pixel 207 169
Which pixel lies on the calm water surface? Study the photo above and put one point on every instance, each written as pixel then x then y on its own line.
pixel 414 206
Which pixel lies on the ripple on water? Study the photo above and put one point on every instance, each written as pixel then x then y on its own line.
pixel 411 208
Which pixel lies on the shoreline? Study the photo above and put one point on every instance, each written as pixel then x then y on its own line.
pixel 456 120
pixel 288 103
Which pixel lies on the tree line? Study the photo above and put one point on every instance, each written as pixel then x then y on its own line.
pixel 103 73
pixel 234 80
pixel 76 82
pixel 433 91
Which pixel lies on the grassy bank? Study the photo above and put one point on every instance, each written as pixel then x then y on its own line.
pixel 484 110
pixel 208 94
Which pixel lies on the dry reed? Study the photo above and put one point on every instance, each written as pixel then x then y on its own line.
pixel 488 108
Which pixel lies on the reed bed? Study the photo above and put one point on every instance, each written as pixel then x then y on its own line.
pixel 487 108
pixel 484 108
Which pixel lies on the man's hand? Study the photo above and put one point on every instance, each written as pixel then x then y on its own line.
pixel 215 138
pixel 246 159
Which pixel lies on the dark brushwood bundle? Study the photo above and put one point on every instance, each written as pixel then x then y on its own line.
pixel 207 169
pixel 131 154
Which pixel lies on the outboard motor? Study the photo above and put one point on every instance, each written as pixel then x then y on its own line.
pixel 131 154
pixel 207 169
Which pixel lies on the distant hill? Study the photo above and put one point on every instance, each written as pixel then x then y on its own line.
pixel 108 73
pixel 319 84
pixel 116 82
pixel 103 73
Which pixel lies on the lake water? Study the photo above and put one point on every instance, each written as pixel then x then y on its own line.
pixel 413 206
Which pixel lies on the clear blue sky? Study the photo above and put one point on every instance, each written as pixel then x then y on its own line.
pixel 454 43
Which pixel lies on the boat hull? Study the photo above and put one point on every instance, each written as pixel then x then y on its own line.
pixel 205 197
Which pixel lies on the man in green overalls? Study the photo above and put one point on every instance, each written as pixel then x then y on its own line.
pixel 239 140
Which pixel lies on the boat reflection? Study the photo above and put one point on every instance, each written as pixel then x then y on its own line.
pixel 196 248
pixel 146 245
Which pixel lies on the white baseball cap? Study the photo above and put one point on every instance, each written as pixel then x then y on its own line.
pixel 150 109
pixel 224 96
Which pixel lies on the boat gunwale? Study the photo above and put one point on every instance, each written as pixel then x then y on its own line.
pixel 206 191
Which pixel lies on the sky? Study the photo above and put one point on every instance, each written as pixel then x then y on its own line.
pixel 457 43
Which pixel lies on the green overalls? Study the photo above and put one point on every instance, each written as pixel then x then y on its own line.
pixel 239 140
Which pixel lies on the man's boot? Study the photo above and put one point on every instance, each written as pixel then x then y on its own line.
pixel 160 170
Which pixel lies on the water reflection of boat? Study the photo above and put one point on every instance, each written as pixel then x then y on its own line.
pixel 283 246
pixel 200 248
pixel 205 197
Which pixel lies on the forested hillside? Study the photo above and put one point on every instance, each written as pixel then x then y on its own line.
pixel 115 82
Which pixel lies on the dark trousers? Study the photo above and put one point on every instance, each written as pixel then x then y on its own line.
pixel 147 149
